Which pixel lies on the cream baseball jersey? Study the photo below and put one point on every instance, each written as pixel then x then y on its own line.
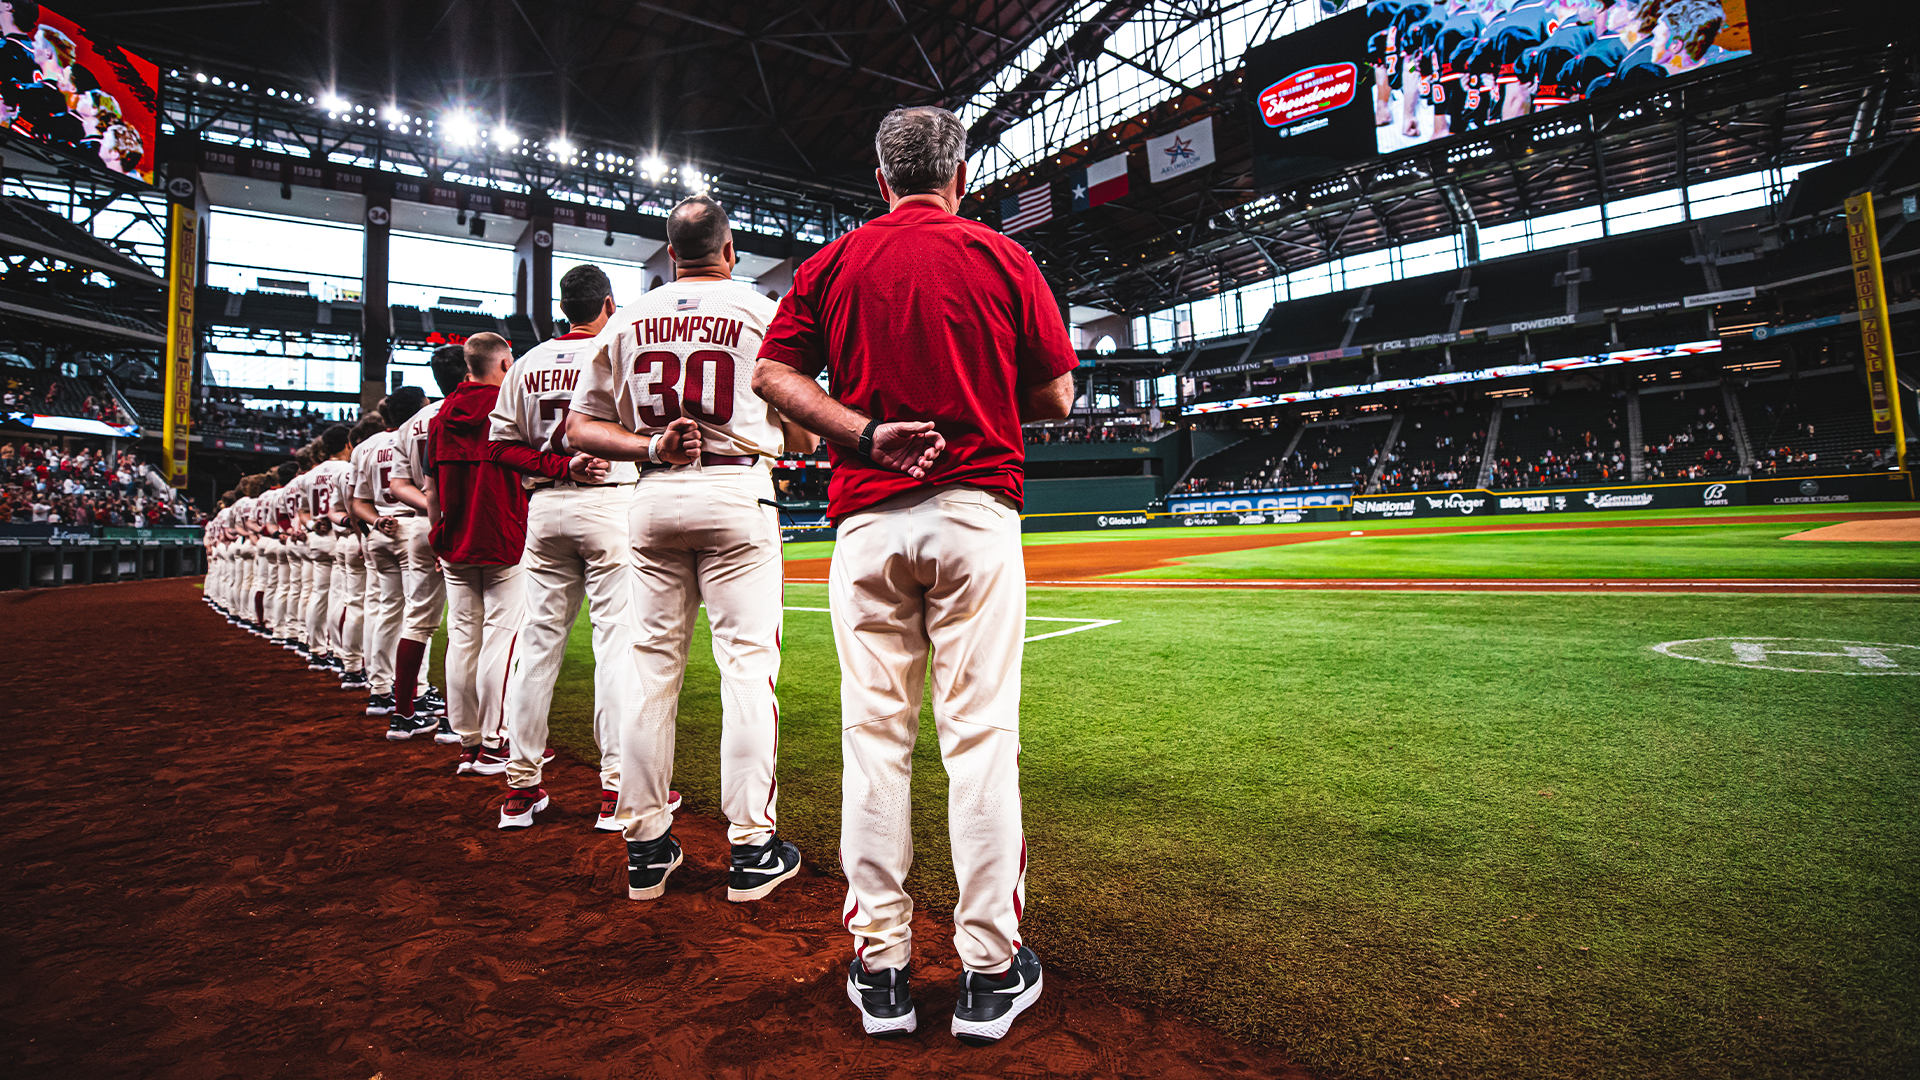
pixel 410 464
pixel 326 487
pixel 372 467
pixel 534 401
pixel 686 349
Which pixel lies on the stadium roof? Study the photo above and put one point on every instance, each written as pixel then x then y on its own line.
pixel 792 89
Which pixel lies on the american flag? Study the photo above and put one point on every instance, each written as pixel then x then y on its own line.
pixel 1031 207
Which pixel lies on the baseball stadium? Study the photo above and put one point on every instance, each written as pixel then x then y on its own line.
pixel 961 538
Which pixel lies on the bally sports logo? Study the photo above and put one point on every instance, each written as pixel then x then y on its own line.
pixel 1309 93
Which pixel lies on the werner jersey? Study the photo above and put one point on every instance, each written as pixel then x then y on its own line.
pixel 537 395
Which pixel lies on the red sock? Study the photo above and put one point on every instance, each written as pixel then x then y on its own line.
pixel 406 675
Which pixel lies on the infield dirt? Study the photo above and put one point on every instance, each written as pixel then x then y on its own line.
pixel 219 868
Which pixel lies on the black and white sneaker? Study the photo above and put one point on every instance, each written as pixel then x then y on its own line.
pixel 354 680
pixel 648 864
pixel 431 702
pixel 989 1003
pixel 758 868
pixel 402 728
pixel 380 705
pixel 319 662
pixel 445 735
pixel 885 1004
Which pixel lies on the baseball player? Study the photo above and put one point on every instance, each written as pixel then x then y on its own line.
pixel 426 585
pixel 299 583
pixel 479 514
pixel 669 386
pixel 374 504
pixel 323 535
pixel 350 570
pixel 576 544
pixel 942 321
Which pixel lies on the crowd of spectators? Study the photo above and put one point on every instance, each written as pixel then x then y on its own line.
pixel 84 487
pixel 1077 434
pixel 60 395
pixel 278 424
pixel 1696 449
pixel 1536 449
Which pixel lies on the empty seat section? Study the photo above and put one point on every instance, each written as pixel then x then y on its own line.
pixel 1685 435
pixel 1508 290
pixel 1812 424
pixel 1640 269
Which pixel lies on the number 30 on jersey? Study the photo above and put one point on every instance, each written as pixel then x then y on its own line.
pixel 665 387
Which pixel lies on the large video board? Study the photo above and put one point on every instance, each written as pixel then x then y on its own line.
pixel 1399 73
pixel 60 87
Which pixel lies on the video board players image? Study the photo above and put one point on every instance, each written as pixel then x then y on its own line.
pixel 1442 67
pixel 59 87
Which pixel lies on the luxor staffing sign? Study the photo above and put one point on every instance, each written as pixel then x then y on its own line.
pixel 183 272
pixel 1863 242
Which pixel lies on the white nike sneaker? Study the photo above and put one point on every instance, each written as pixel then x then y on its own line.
pixel 758 868
pixel 989 1003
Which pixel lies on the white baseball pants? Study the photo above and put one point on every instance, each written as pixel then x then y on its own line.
pixel 702 534
pixel 386 608
pixel 321 563
pixel 939 570
pixel 350 604
pixel 484 605
pixel 576 545
pixel 426 599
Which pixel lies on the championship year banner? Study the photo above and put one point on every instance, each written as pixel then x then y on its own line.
pixel 183 272
pixel 1870 292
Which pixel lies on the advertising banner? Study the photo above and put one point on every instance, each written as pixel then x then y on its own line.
pixel 1812 490
pixel 1231 502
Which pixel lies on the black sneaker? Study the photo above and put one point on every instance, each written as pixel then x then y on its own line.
pixel 431 702
pixel 648 864
pixel 445 735
pixel 353 680
pixel 380 705
pixel 334 664
pixel 989 1003
pixel 885 1004
pixel 319 662
pixel 402 728
pixel 758 868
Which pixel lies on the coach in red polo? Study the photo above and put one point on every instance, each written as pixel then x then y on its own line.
pixel 939 337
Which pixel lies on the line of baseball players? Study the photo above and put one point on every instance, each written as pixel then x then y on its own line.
pixel 627 462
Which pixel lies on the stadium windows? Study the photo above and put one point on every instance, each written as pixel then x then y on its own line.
pixel 1208 319
pixel 1429 256
pixel 1645 212
pixel 1508 239
pixel 1571 227
pixel 1724 196
pixel 1367 268
pixel 261 252
pixel 1312 281
pixel 464 275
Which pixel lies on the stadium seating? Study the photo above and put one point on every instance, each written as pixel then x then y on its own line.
pixel 1337 454
pixel 1440 447
pixel 1576 437
pixel 1815 423
pixel 1685 435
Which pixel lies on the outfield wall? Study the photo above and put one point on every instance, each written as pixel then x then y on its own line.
pixel 1792 491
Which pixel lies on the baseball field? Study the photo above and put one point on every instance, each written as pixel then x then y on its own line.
pixel 1615 797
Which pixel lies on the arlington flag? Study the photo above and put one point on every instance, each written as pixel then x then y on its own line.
pixel 1099 182
pixel 1182 152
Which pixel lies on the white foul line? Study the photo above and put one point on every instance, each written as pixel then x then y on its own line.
pixel 1086 624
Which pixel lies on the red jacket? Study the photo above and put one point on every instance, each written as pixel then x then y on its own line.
pixel 483 509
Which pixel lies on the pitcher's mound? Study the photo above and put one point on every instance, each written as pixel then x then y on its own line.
pixel 1889 529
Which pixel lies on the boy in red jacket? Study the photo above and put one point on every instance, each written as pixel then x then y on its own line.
pixel 479 512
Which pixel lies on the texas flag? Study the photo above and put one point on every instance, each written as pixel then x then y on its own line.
pixel 1099 182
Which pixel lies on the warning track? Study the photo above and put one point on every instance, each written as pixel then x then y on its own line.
pixel 1094 562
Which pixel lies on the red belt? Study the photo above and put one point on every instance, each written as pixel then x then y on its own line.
pixel 706 459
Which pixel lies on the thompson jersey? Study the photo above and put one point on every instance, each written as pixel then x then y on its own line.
pixel 686 349
pixel 410 464
pixel 534 401
pixel 372 467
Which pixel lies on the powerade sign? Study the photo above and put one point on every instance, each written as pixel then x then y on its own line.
pixel 1287 499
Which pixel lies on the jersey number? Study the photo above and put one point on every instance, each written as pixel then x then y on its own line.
pixel 664 396
pixel 553 418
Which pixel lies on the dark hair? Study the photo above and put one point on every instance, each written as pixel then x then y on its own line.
pixel 368 426
pixel 402 404
pixel 334 439
pixel 920 148
pixel 287 471
pixel 483 349
pixel 26 14
pixel 303 457
pixel 697 229
pixel 449 367
pixel 583 292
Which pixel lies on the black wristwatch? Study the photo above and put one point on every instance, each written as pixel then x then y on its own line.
pixel 866 440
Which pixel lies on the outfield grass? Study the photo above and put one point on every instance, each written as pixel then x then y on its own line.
pixel 1437 834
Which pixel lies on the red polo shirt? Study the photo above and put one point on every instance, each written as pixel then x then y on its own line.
pixel 921 315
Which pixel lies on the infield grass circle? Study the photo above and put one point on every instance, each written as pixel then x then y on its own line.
pixel 1831 656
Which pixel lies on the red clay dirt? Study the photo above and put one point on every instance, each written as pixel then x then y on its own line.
pixel 217 867
pixel 1060 564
